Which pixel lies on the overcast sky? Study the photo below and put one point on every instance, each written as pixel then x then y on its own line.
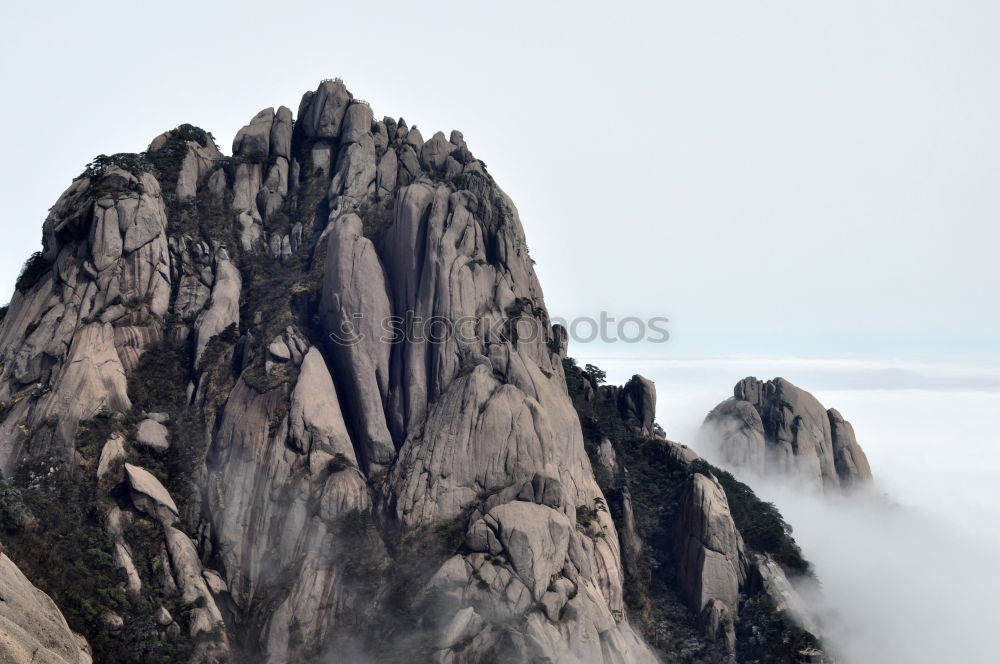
pixel 795 177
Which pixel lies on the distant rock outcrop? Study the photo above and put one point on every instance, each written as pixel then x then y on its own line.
pixel 699 529
pixel 775 427
pixel 637 403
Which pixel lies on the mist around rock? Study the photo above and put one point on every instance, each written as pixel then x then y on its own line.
pixel 906 567
pixel 898 584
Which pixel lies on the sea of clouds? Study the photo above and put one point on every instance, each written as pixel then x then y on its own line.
pixel 910 573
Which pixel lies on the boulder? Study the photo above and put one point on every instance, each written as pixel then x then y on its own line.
pixel 606 458
pixel 113 622
pixel 198 161
pixel 144 220
pixel 356 169
pixel 637 404
pixel 435 152
pixel 153 435
pixel 163 617
pixel 254 140
pixel 281 134
pixel 718 621
pixel 112 452
pixel 321 113
pixel 106 242
pixel 149 495
pixel 123 561
pixel 278 350
pixel 215 582
pixel 357 124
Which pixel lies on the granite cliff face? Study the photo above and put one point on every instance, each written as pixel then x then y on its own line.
pixel 776 428
pixel 225 380
pixel 31 627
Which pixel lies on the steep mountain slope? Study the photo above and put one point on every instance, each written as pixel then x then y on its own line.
pixel 707 564
pixel 31 627
pixel 305 403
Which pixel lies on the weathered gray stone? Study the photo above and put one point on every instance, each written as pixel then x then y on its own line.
pixel 112 453
pixel 464 625
pixel 281 133
pixel 188 573
pixel 735 429
pixel 198 161
pixel 113 621
pixel 123 561
pixel 217 185
pixel 105 238
pixel 31 627
pixel 771 579
pixel 637 403
pixel 147 219
pixel 718 621
pixel 356 170
pixel 149 496
pixel 91 379
pixel 712 558
pixel 775 427
pixel 316 421
pixel 153 435
pixel 385 174
pixel 435 152
pixel 357 124
pixel 278 350
pixel 163 617
pixel 475 433
pixel 225 305
pixel 254 140
pixel 322 113
pixel 215 583
pixel 354 283
pixel 607 458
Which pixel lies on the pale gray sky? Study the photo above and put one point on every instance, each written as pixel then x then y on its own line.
pixel 773 176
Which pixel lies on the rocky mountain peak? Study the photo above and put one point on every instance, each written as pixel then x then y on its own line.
pixel 774 427
pixel 213 290
pixel 306 400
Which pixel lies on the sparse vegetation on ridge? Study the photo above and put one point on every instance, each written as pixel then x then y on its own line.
pixel 60 544
pixel 655 480
pixel 33 270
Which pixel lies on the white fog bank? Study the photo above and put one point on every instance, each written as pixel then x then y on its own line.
pixel 909 573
